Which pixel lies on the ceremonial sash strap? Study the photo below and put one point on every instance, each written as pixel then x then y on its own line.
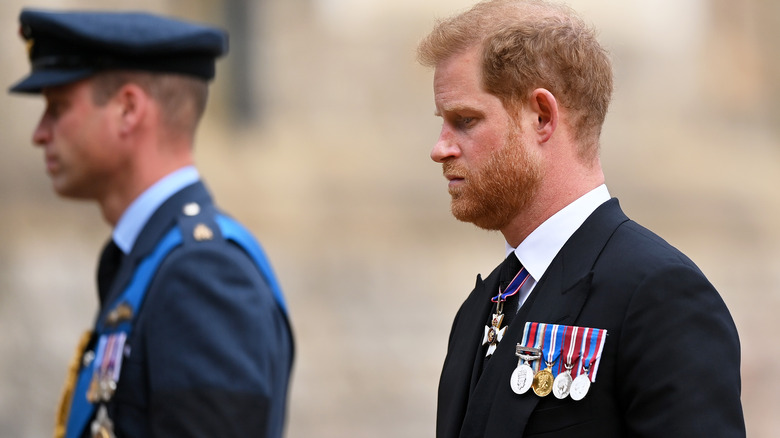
pixel 81 409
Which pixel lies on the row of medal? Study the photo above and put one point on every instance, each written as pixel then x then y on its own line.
pixel 107 364
pixel 558 359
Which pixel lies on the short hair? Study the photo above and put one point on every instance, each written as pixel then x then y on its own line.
pixel 529 44
pixel 182 99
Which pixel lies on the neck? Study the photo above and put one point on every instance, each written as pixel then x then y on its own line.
pixel 553 196
pixel 138 179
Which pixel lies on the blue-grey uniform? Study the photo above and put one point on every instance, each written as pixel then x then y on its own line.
pixel 192 338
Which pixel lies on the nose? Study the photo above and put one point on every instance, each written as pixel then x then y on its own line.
pixel 42 133
pixel 445 147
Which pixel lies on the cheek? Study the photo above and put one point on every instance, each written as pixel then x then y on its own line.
pixel 486 145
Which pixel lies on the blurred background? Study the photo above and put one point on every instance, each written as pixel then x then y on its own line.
pixel 317 137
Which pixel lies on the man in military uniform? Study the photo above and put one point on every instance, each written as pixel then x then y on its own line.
pixel 593 326
pixel 192 337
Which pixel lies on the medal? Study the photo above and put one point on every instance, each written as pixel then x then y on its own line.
pixel 590 352
pixel 93 393
pixel 528 352
pixel 543 383
pixel 571 354
pixel 543 380
pixel 523 376
pixel 579 350
pixel 108 363
pixel 562 384
pixel 580 387
pixel 493 332
pixel 102 426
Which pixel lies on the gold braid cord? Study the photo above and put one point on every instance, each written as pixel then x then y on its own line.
pixel 70 385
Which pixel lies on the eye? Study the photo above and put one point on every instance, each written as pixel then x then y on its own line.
pixel 54 109
pixel 466 122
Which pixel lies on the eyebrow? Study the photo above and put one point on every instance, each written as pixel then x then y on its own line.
pixel 457 109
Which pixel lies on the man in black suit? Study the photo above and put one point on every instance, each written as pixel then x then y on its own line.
pixel 192 337
pixel 593 326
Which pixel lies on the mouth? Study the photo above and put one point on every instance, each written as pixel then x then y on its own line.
pixel 455 175
pixel 454 180
pixel 51 164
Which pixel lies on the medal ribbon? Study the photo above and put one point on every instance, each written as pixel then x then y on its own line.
pixel 571 345
pixel 601 338
pixel 526 333
pixel 584 362
pixel 514 286
pixel 535 339
pixel 118 356
pixel 593 344
pixel 552 339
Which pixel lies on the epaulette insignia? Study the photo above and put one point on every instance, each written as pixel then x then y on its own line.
pixel 202 232
pixel 122 312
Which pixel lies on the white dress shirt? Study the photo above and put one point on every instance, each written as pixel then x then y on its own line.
pixel 537 251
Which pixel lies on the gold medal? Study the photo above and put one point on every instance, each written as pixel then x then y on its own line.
pixel 93 392
pixel 543 383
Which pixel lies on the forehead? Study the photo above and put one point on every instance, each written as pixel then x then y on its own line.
pixel 67 90
pixel 457 83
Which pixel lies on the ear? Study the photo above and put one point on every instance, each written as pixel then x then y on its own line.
pixel 545 108
pixel 132 102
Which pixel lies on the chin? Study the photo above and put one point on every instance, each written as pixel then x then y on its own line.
pixel 481 218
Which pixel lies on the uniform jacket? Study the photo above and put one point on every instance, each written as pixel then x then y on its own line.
pixel 211 351
pixel 670 364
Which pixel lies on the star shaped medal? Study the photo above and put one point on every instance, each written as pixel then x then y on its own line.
pixel 494 332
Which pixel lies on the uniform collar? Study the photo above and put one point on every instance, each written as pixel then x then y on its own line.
pixel 141 209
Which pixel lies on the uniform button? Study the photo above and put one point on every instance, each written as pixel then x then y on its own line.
pixel 191 209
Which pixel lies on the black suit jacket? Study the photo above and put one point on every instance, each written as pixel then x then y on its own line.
pixel 211 351
pixel 670 364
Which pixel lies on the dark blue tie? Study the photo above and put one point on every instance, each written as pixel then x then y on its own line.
pixel 108 267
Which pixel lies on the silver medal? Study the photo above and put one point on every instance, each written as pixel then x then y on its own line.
pixel 523 376
pixel 580 387
pixel 562 385
pixel 522 379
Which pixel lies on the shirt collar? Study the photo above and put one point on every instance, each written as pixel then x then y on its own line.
pixel 141 209
pixel 537 251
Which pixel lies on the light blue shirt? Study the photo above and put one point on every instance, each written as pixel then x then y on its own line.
pixel 539 249
pixel 141 209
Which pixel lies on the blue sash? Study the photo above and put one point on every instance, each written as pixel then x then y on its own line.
pixel 81 409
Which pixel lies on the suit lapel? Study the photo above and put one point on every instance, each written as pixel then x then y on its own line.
pixel 558 298
pixel 463 364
